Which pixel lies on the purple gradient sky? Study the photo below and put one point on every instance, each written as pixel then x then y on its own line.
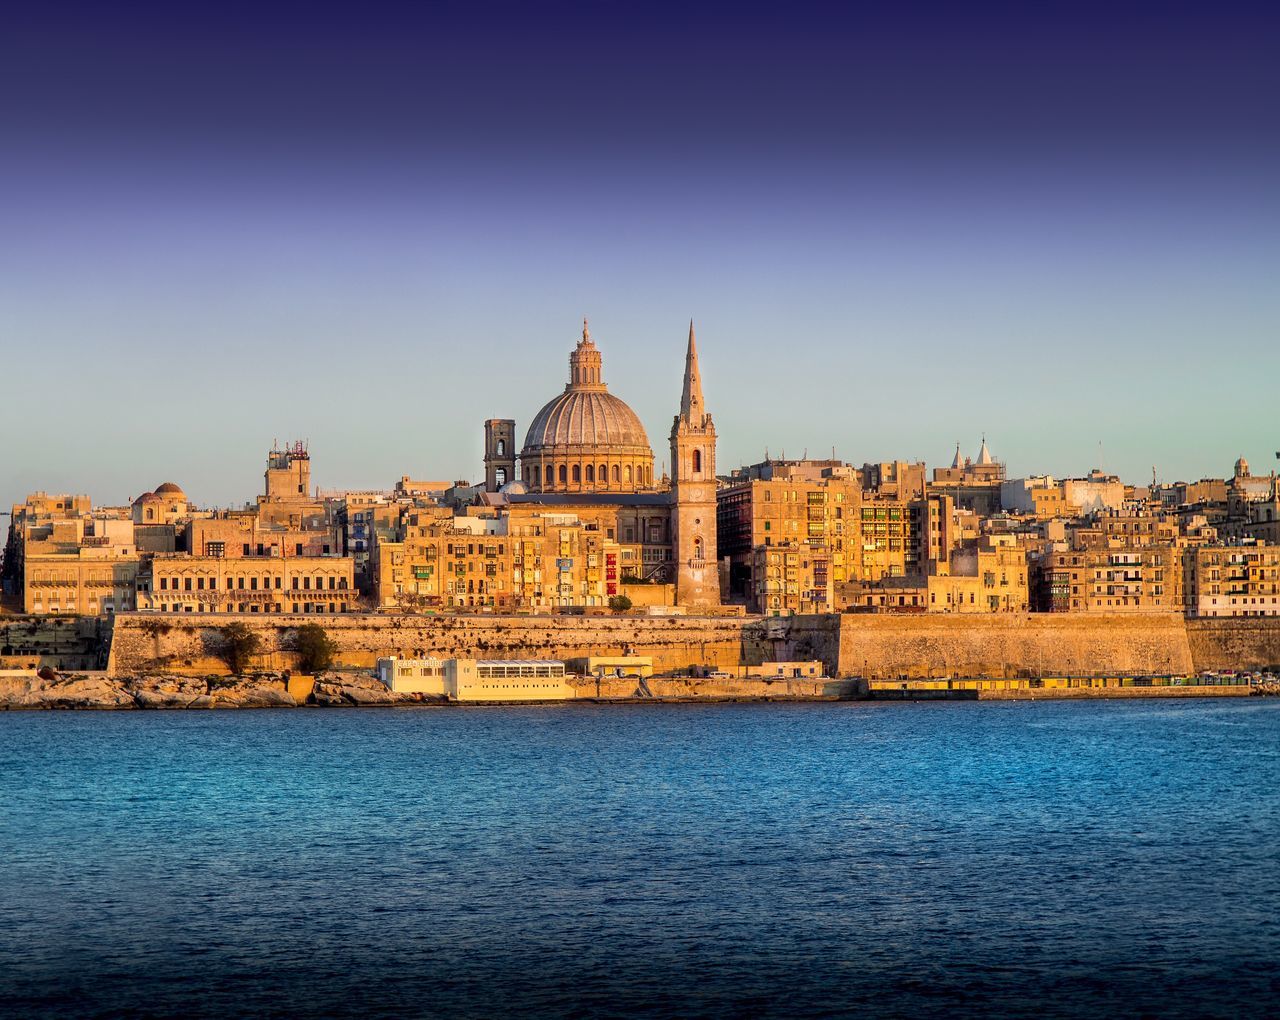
pixel 897 229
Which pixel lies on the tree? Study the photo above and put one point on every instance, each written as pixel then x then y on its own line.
pixel 619 603
pixel 411 602
pixel 314 647
pixel 239 645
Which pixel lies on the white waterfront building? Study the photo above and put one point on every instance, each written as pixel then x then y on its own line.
pixel 478 679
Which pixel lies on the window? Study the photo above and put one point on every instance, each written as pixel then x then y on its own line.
pixel 500 476
pixel 577 473
pixel 564 474
pixel 591 473
pixel 501 448
pixel 697 462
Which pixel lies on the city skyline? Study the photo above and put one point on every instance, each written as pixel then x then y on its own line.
pixel 896 230
pixel 232 482
pixel 239 482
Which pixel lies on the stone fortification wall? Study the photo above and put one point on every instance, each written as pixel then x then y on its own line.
pixel 1233 644
pixel 1006 645
pixel 183 644
pixel 63 642
pixel 1009 645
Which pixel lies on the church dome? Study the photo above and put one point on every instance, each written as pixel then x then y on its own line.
pixel 169 489
pixel 586 439
pixel 577 418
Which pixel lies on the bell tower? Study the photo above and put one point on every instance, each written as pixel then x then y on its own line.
pixel 693 493
pixel 499 453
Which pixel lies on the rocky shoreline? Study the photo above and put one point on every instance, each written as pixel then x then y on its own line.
pixel 170 691
pixel 355 689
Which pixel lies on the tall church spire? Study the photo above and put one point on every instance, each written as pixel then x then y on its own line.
pixel 691 399
pixel 693 493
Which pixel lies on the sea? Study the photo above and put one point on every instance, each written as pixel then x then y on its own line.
pixel 1047 859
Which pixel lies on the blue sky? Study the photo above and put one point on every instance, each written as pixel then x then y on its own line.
pixel 896 230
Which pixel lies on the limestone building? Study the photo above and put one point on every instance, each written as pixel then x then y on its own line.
pixel 1242 580
pixel 183 583
pixel 586 453
pixel 974 484
pixel 84 565
pixel 525 558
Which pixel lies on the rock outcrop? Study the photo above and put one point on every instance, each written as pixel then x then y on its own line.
pixel 354 688
pixel 164 690
pixel 250 692
pixel 73 691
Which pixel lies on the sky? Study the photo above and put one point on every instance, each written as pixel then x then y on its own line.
pixel 897 227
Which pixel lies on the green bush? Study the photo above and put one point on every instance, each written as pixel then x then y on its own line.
pixel 314 647
pixel 619 603
pixel 239 645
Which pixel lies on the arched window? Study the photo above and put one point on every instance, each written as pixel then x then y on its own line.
pixel 591 473
pixel 603 474
pixel 500 476
pixel 501 450
pixel 697 462
pixel 577 473
pixel 617 474
pixel 564 474
pixel 628 474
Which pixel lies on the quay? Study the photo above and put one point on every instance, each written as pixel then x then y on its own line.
pixel 1064 687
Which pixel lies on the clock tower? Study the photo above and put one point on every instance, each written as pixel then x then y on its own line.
pixel 693 493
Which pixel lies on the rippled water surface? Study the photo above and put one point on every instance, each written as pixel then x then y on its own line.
pixel 1055 859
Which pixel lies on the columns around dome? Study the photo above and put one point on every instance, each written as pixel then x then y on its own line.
pixel 583 471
